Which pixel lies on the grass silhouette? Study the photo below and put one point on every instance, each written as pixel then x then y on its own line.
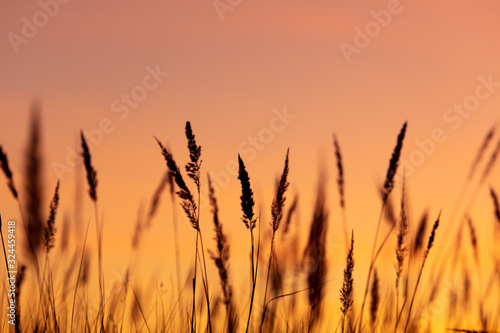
pixel 293 290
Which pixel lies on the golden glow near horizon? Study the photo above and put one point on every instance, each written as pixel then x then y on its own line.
pixel 256 78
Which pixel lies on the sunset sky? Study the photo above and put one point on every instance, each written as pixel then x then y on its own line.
pixel 254 78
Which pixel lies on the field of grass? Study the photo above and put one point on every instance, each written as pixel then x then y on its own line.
pixel 288 289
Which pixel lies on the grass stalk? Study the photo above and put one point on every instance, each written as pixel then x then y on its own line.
pixel 426 254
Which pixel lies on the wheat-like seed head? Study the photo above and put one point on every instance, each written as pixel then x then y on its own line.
pixel 340 171
pixel 247 200
pixel 291 211
pixel 403 230
pixel 50 229
pixel 375 298
pixel 193 167
pixel 34 185
pixel 432 236
pixel 491 162
pixel 155 201
pixel 315 255
pixel 393 164
pixel 419 237
pixel 346 293
pixel 473 237
pixel 495 204
pixel 91 173
pixel 221 260
pixel 279 200
pixel 4 164
pixel 481 151
pixel 187 200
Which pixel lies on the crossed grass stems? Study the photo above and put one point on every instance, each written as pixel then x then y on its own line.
pixel 41 238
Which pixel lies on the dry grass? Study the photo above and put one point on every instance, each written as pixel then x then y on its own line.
pixel 294 290
pixel 430 242
pixel 276 216
pixel 221 259
pixel 346 293
pixel 387 189
pixel 247 204
pixel 50 229
pixel 374 301
pixel 4 164
pixel 315 257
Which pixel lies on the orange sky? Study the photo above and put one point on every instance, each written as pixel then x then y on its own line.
pixel 226 77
